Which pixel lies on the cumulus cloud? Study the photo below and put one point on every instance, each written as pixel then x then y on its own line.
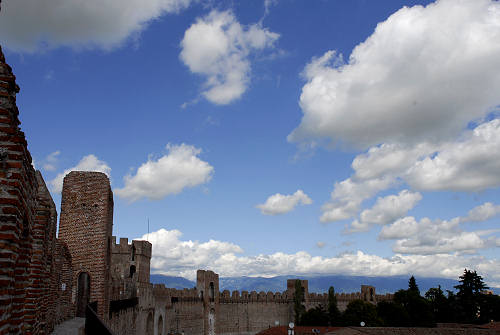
pixel 87 163
pixel 482 212
pixel 173 256
pixel 27 25
pixel 183 258
pixel 426 237
pixel 170 174
pixel 468 164
pixel 416 78
pixel 389 159
pixel 282 204
pixel 348 195
pixel 471 164
pixel 218 47
pixel 50 162
pixel 386 210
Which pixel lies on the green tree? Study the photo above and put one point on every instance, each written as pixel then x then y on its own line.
pixel 489 307
pixel 392 314
pixel 298 299
pixel 359 311
pixel 412 286
pixel 416 306
pixel 469 294
pixel 316 316
pixel 439 304
pixel 334 316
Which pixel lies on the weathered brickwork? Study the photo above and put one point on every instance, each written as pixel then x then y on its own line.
pixel 130 264
pixel 17 209
pixel 86 226
pixel 39 297
pixel 29 287
pixel 163 310
pixel 62 283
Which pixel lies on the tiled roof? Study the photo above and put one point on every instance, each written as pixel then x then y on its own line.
pixel 299 330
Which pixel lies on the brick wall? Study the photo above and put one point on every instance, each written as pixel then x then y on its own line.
pixel 62 284
pixel 40 299
pixel 29 270
pixel 251 317
pixel 17 208
pixel 85 226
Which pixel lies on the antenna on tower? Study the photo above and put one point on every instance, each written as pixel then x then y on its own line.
pixel 147 238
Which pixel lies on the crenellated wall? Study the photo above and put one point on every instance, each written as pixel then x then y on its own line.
pixel 130 264
pixel 252 312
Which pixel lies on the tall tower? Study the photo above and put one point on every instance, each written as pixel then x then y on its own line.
pixel 86 226
pixel 207 285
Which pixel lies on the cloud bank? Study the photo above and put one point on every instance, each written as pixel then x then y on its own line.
pixel 173 256
pixel 428 237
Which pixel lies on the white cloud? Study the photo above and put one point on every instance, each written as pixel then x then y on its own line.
pixel 386 210
pixel 281 204
pixel 173 256
pixel 482 213
pixel 170 174
pixel 28 25
pixel 218 47
pixel 471 164
pixel 417 78
pixel 267 6
pixel 389 159
pixel 348 195
pixel 426 237
pixel 87 163
pixel 185 257
pixel 50 163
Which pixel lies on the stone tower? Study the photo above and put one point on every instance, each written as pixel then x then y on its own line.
pixel 207 285
pixel 130 267
pixel 86 226
pixel 368 293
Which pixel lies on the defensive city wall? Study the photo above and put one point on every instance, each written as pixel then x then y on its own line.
pixel 45 279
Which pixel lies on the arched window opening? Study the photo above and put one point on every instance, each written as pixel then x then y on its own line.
pixel 160 325
pixel 149 324
pixel 132 270
pixel 133 252
pixel 83 293
pixel 211 292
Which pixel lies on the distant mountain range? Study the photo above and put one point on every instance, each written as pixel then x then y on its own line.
pixel 319 284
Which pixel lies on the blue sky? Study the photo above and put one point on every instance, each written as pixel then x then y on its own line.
pixel 278 136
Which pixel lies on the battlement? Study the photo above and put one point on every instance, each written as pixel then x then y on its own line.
pixel 245 297
pixel 290 286
pixel 138 247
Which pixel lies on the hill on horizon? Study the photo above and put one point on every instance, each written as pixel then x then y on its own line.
pixel 318 284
